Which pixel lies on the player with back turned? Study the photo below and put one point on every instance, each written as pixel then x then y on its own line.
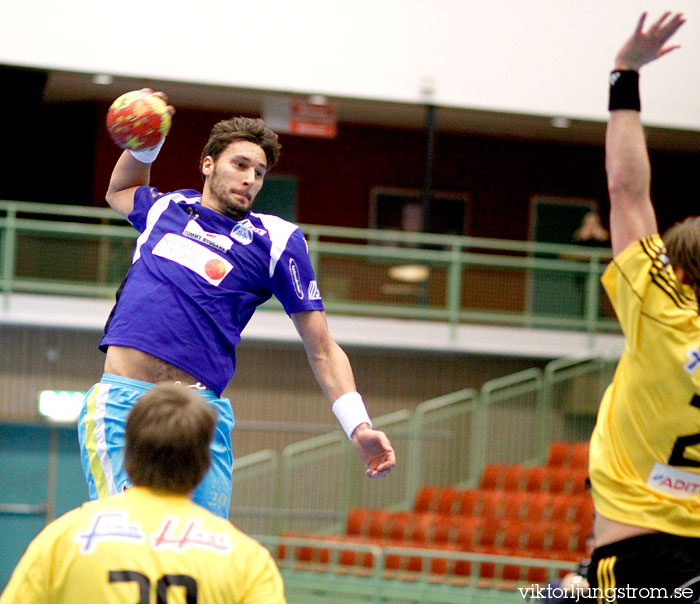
pixel 645 448
pixel 202 264
pixel 150 543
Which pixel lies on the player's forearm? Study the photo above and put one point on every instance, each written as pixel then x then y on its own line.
pixel 333 372
pixel 629 177
pixel 127 173
pixel 626 157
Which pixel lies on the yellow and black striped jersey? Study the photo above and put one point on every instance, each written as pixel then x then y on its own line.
pixel 645 448
pixel 144 546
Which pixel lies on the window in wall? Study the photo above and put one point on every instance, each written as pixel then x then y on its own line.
pixel 401 209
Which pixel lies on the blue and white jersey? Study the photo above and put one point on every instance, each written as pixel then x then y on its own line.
pixel 196 278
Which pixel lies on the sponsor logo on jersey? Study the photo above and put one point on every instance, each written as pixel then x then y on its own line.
pixel 693 360
pixel 674 481
pixel 193 256
pixel 189 534
pixel 215 240
pixel 109 526
pixel 296 278
pixel 313 292
pixel 243 231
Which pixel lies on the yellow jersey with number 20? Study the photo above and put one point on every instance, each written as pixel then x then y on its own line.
pixel 146 547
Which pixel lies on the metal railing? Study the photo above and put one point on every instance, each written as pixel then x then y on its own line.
pixel 84 251
pixel 374 583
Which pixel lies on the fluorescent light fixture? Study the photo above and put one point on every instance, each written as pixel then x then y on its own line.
pixel 103 79
pixel 60 405
pixel 409 273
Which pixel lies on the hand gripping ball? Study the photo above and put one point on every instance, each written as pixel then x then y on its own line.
pixel 138 120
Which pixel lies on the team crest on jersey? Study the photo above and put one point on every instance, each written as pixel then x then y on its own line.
pixel 313 292
pixel 296 278
pixel 243 232
pixel 215 240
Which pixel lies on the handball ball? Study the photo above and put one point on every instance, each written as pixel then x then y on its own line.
pixel 138 120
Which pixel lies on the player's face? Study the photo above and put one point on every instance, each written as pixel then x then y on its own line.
pixel 234 179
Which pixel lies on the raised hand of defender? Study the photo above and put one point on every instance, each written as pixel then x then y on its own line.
pixel 375 450
pixel 645 46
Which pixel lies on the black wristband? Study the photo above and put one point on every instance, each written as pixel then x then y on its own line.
pixel 624 90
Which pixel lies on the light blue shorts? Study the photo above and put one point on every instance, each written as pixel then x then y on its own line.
pixel 101 427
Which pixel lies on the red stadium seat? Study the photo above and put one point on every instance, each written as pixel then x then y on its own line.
pixel 535 478
pixel 578 481
pixel 398 525
pixel 513 531
pixel 467 530
pixel 488 532
pixel 466 502
pixel 378 523
pixel 446 497
pixel 558 453
pixel 491 503
pixel 357 518
pixel 578 455
pixel 425 498
pixel 538 505
pixel 492 476
pixel 513 477
pixel 515 504
pixel 558 479
pixel 562 507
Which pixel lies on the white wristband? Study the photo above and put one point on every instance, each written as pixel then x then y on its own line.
pixel 148 156
pixel 350 411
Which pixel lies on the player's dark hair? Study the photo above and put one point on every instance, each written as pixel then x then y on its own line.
pixel 242 128
pixel 168 434
pixel 682 242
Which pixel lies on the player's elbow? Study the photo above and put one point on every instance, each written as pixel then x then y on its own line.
pixel 622 188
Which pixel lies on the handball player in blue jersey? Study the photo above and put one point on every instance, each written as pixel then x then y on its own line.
pixel 201 266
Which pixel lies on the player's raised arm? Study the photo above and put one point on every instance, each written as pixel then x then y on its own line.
pixel 626 159
pixel 138 123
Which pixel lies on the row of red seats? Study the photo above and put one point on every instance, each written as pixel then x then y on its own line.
pixel 518 477
pixel 505 537
pixel 539 512
pixel 469 532
pixel 495 503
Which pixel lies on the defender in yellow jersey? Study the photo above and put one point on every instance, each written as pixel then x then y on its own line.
pixel 644 459
pixel 150 544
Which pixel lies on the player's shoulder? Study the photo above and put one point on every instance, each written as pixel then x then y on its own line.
pixel 272 222
pixel 67 523
pixel 280 231
pixel 186 195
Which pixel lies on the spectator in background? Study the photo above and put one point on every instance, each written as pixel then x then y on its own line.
pixel 592 232
pixel 151 538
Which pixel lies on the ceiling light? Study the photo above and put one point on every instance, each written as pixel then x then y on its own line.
pixel 102 79
pixel 409 273
pixel 318 99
